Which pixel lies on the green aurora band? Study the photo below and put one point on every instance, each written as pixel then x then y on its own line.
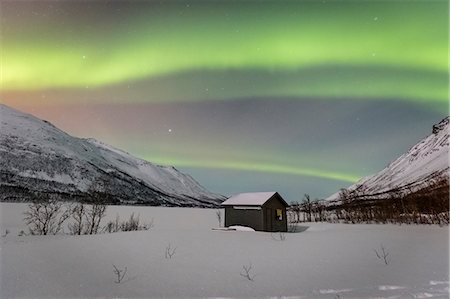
pixel 405 42
pixel 256 167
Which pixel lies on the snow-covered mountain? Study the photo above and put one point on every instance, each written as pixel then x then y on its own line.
pixel 37 158
pixel 425 165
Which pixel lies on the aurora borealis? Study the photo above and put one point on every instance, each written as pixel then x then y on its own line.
pixel 297 97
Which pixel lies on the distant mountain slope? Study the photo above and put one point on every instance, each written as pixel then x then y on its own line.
pixel 38 158
pixel 425 166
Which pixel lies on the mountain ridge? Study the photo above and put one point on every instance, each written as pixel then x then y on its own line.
pixel 424 165
pixel 40 158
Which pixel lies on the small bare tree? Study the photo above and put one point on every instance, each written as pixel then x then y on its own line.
pixel 46 217
pixel 296 210
pixel 307 206
pixel 383 254
pixel 219 217
pixel 120 273
pixel 169 251
pixel 78 216
pixel 246 273
pixel 95 214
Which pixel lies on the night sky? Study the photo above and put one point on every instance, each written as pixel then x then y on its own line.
pixel 296 96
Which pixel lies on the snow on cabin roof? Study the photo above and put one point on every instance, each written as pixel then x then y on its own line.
pixel 249 199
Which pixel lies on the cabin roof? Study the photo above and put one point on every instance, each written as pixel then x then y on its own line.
pixel 251 199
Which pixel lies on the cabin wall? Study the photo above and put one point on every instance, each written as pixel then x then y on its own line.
pixel 271 221
pixel 251 218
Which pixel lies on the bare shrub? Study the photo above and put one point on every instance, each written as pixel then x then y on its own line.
pixel 443 219
pixel 87 220
pixel 46 217
pixel 113 226
pixel 247 272
pixel 427 205
pixel 148 225
pixel 280 236
pixel 382 254
pixel 132 224
pixel 292 227
pixel 170 251
pixel 109 227
pixel 120 273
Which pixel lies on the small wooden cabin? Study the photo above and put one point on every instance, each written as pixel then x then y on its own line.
pixel 262 211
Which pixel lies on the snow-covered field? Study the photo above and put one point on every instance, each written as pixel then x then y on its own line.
pixel 323 261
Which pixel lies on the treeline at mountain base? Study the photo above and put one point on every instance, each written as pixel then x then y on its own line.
pixel 429 205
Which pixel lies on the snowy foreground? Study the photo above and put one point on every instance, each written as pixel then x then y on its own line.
pixel 323 261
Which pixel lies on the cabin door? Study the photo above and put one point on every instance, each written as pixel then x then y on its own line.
pixel 269 220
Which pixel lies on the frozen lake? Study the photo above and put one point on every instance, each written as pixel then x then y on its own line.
pixel 324 261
